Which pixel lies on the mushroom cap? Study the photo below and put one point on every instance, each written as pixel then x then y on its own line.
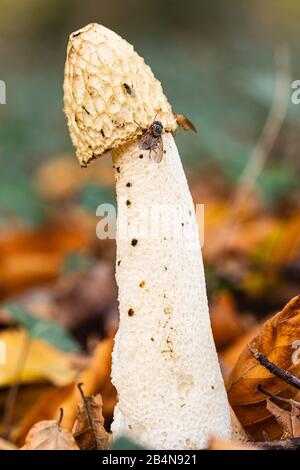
pixel 110 94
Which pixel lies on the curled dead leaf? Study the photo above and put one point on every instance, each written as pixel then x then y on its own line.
pixel 283 417
pixel 49 435
pixel 295 418
pixel 277 340
pixel 96 379
pixel 288 420
pixel 88 430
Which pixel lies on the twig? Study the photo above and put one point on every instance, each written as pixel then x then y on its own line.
pixel 266 436
pixel 88 412
pixel 290 401
pixel 285 444
pixel 61 415
pixel 274 369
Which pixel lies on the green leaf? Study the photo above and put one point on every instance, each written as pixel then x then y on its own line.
pixel 123 443
pixel 20 200
pixel 40 328
pixel 75 262
pixel 92 195
pixel 276 181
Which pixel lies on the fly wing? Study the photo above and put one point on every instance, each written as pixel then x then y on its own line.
pixel 185 123
pixel 157 151
pixel 146 141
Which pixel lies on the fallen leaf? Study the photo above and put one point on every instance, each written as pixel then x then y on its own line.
pixel 295 418
pixel 44 407
pixel 49 435
pixel 231 353
pixel 43 329
pixel 61 177
pixel 225 321
pixel 31 360
pixel 238 433
pixel 88 430
pixel 283 417
pixel 277 340
pixel 82 296
pixel 288 420
pixel 6 445
pixel 95 378
pixel 31 257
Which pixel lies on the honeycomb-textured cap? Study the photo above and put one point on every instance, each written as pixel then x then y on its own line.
pixel 109 92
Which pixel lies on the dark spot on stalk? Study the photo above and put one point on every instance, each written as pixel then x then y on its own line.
pixel 141 155
pixel 128 203
pixel 128 185
pixel 130 312
pixel 134 242
pixel 118 169
pixel 102 133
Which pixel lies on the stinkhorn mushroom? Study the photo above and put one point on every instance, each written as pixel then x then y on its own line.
pixel 165 367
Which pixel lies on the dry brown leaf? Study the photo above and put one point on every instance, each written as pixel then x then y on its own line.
pixel 88 430
pixel 62 178
pixel 28 258
pixel 288 420
pixel 95 378
pixel 231 354
pixel 79 297
pixel 44 407
pixel 238 433
pixel 49 435
pixel 276 340
pixel 283 417
pixel 225 321
pixel 6 445
pixel 295 419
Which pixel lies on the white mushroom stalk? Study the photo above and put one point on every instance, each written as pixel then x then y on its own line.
pixel 165 367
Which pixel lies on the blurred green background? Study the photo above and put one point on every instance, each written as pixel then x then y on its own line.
pixel 215 59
